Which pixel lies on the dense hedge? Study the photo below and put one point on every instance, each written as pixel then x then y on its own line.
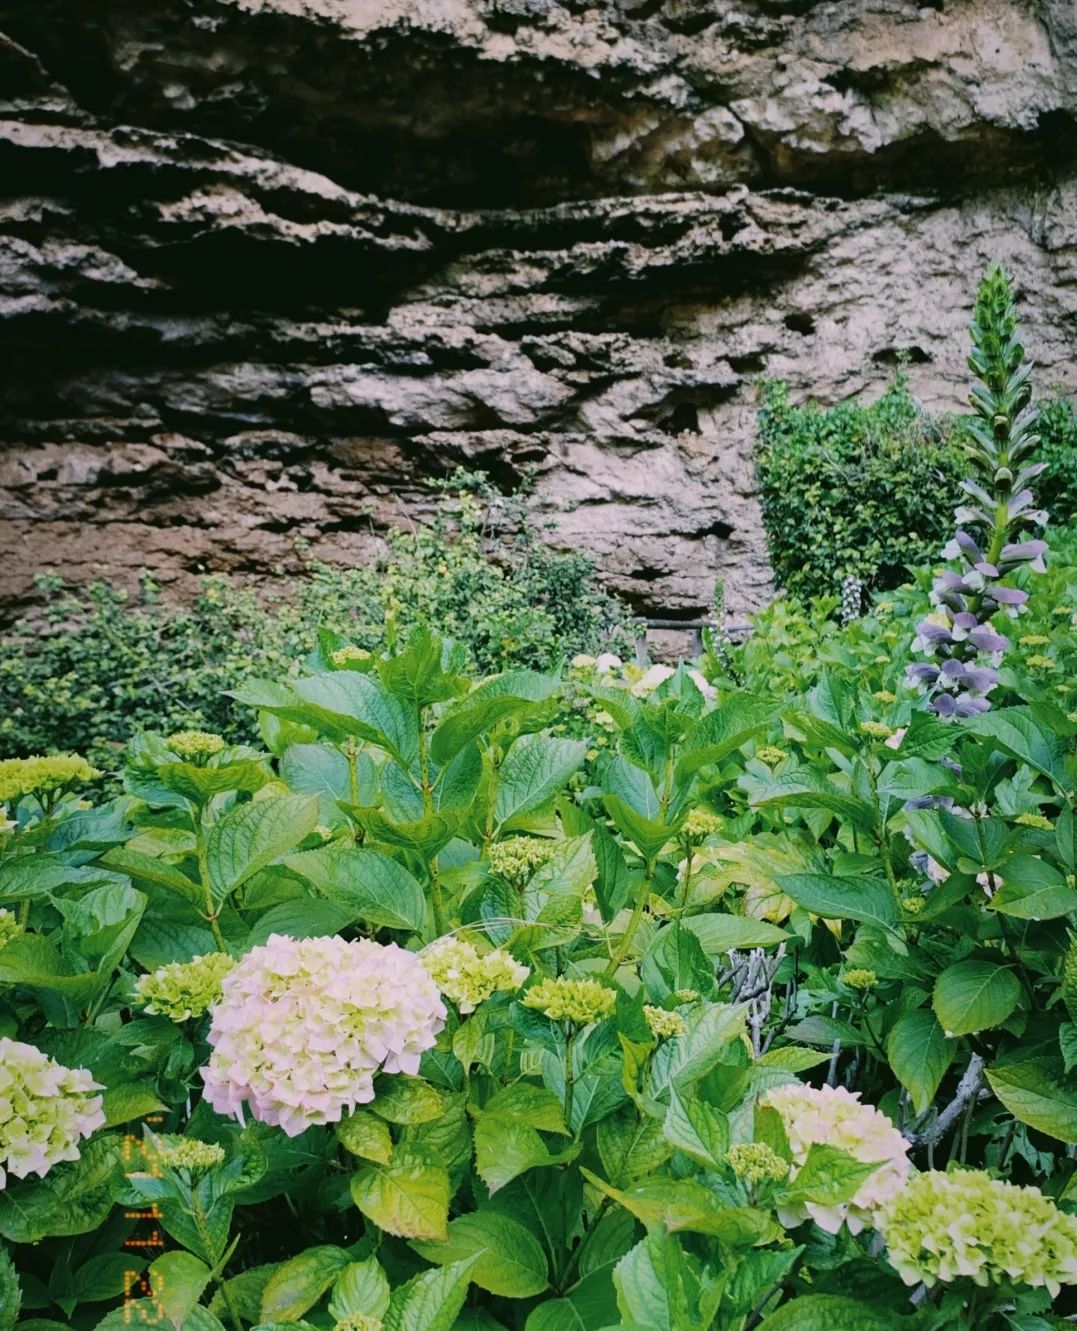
pixel 108 665
pixel 859 489
pixel 870 489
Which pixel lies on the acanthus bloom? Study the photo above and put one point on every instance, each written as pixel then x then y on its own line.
pixel 304 1025
pixel 966 649
pixel 834 1116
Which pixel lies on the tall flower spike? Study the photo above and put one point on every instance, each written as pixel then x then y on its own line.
pixel 990 542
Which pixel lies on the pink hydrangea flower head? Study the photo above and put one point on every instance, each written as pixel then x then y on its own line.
pixel 304 1025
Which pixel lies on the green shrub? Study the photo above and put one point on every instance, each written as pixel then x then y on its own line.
pixel 870 489
pixel 864 490
pixel 1056 489
pixel 106 664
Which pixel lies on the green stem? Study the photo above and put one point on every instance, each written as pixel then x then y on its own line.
pixel 570 1076
pixel 427 792
pixel 621 951
pixel 210 913
pixel 351 753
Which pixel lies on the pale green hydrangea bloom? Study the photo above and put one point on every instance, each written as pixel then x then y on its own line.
pixel 192 744
pixel 701 823
pixel 349 655
pixel 663 1025
pixel 184 989
pixel 358 1322
pixel 45 1110
pixel 187 1153
pixel 755 1163
pixel 9 926
pixel 42 776
pixel 860 978
pixel 771 755
pixel 578 1001
pixel 467 977
pixel 965 1223
pixel 517 858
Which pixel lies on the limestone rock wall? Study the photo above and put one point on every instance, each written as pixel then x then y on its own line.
pixel 266 266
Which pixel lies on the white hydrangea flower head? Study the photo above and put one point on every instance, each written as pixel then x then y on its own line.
pixel 943 1226
pixel 834 1116
pixel 608 663
pixel 304 1025
pixel 467 977
pixel 45 1110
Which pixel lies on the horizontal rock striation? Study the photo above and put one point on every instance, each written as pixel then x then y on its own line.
pixel 268 266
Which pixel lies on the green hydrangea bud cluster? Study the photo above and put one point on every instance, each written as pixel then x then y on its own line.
pixel 663 1025
pixel 184 989
pixel 45 1110
pixel 188 1153
pixel 467 977
pixel 348 655
pixel 1035 820
pixel 771 755
pixel 579 1001
pixel 913 905
pixel 517 858
pixel 755 1163
pixel 686 995
pixel 701 823
pixel 876 730
pixel 42 776
pixel 860 979
pixel 9 927
pixel 358 1322
pixel 943 1226
pixel 195 744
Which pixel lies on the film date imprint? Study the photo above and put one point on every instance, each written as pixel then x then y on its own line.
pixel 145 1241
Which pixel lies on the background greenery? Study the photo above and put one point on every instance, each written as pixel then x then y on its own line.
pixel 107 664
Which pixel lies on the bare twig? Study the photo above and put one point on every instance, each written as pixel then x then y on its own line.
pixel 968 1091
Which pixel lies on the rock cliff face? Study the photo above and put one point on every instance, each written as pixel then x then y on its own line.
pixel 268 265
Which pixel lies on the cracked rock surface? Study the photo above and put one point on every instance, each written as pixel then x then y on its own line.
pixel 267 266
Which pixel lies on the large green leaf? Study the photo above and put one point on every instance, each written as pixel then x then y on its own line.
pixel 807 789
pixel 919 1055
pixel 722 731
pixel 974 996
pixel 718 932
pixel 378 889
pixel 842 897
pixel 10 1293
pixel 1039 1093
pixel 510 1261
pixel 534 770
pixel 362 1287
pixel 511 694
pixel 408 1199
pixel 431 1301
pixel 1032 889
pixel 252 836
pixel 505 1148
pixel 297 1284
pixel 834 1312
pixel 1018 732
pixel 648 835
pixel 178 1280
